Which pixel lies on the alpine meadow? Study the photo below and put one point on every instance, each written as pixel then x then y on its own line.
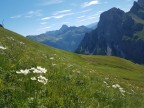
pixel 36 75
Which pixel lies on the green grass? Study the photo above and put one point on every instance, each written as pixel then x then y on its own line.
pixel 140 35
pixel 136 18
pixel 76 81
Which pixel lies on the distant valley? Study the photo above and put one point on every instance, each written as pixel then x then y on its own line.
pixel 66 38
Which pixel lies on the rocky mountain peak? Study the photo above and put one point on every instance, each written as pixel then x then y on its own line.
pixel 141 2
pixel 64 27
pixel 135 7
pixel 111 14
pixel 110 23
pixel 138 9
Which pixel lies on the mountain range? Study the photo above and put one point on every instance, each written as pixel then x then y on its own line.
pixel 66 38
pixel 117 34
pixel 34 75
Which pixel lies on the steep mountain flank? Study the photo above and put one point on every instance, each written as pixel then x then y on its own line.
pixel 118 33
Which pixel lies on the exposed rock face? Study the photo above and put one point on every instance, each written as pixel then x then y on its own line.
pixel 64 28
pixel 111 24
pixel 117 34
pixel 138 8
pixel 141 2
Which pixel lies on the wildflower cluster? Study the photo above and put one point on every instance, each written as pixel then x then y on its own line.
pixel 106 84
pixel 51 58
pixel 22 43
pixel 37 70
pixel 3 48
pixel 120 88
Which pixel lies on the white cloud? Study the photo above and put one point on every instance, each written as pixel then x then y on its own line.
pixel 17 16
pixel 46 18
pixel 81 17
pixel 57 16
pixel 94 16
pixel 35 13
pixel 50 2
pixel 44 28
pixel 84 11
pixel 62 15
pixel 29 14
pixel 86 4
pixel 62 11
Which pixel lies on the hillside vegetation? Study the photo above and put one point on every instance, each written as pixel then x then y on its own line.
pixel 33 75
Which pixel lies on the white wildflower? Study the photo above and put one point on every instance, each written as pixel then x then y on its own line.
pixel 51 58
pixel 11 38
pixel 105 82
pixel 38 70
pixel 53 64
pixel 32 68
pixel 106 78
pixel 114 86
pixel 22 43
pixel 43 70
pixel 3 48
pixel 25 72
pixel 122 91
pixel 117 85
pixel 42 79
pixel 132 90
pixel 33 78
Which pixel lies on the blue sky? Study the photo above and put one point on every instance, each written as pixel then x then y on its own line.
pixel 30 17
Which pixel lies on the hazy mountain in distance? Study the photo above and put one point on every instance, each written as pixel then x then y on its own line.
pixel 66 38
pixel 92 26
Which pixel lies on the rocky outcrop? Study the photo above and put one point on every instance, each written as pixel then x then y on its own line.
pixel 117 34
pixel 138 9
pixel 141 2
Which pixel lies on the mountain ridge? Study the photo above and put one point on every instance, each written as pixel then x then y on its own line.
pixel 117 35
pixel 66 38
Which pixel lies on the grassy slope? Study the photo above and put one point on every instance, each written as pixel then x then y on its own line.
pixel 75 81
pixel 136 18
pixel 137 35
